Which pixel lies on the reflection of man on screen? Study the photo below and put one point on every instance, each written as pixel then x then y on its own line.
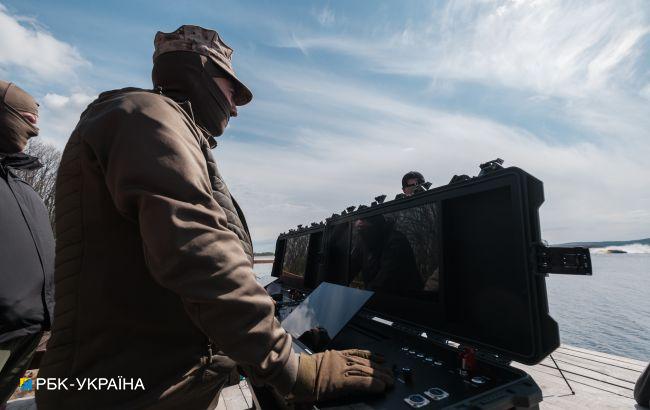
pixel 383 257
pixel 295 256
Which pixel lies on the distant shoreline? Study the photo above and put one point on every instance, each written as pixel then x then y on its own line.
pixel 605 244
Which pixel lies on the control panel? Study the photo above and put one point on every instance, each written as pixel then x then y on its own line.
pixel 427 375
pixel 433 380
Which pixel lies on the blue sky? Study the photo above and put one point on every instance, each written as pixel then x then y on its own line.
pixel 350 95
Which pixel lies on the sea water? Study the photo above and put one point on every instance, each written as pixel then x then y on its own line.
pixel 607 312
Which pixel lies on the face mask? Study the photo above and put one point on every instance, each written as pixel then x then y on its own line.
pixel 15 130
pixel 190 76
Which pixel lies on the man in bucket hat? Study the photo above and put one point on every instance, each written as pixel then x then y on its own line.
pixel 155 288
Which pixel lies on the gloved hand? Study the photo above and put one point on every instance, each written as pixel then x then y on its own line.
pixel 333 374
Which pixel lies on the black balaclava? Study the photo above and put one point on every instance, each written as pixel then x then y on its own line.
pixel 15 130
pixel 187 76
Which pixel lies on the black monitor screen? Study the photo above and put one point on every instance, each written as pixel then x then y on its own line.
pixel 397 252
pixel 295 256
pixel 337 254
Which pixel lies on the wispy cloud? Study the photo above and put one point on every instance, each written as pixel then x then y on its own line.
pixel 348 145
pixel 591 58
pixel 582 66
pixel 550 47
pixel 325 16
pixel 27 48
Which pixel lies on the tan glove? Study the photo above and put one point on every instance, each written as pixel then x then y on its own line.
pixel 333 373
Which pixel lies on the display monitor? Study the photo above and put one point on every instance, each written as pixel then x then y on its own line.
pixel 455 259
pixel 294 260
pixel 395 253
pixel 298 256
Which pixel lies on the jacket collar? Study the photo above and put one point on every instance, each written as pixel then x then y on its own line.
pixel 186 105
pixel 20 161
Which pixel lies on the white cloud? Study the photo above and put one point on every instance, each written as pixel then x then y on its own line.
pixel 56 101
pixel 25 47
pixel 30 55
pixel 59 115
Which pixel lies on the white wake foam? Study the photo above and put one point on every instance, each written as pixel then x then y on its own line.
pixel 632 248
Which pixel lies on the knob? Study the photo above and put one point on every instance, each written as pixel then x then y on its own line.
pixel 380 199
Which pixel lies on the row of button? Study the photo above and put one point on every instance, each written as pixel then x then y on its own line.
pixel 427 359
pixel 418 400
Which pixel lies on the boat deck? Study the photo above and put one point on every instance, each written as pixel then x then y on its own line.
pixel 598 381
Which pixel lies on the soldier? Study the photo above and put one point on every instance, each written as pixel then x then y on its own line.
pixel 154 259
pixel 26 243
pixel 410 181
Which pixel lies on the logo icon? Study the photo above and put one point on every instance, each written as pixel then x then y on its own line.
pixel 26 384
